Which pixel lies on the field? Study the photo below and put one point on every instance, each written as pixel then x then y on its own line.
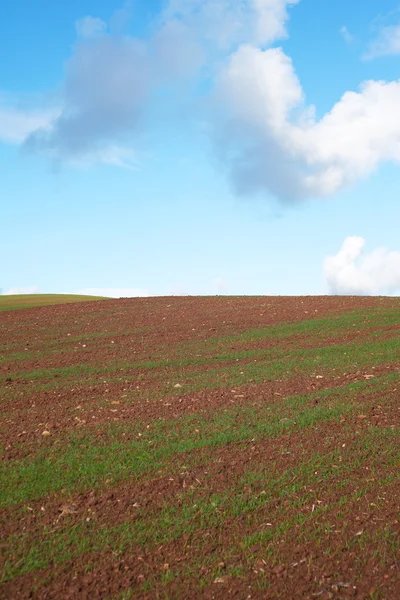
pixel 14 302
pixel 184 448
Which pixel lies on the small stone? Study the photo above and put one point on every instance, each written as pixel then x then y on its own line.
pixel 67 509
pixel 177 385
pixel 279 570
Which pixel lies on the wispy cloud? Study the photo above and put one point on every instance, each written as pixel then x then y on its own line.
pixel 21 290
pixel 16 123
pixel 386 43
pixel 346 35
pixel 89 27
pixel 220 286
pixel 225 24
pixel 355 272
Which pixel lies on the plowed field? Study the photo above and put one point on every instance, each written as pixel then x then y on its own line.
pixel 189 448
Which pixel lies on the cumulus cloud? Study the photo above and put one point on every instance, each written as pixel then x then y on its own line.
pixel 267 137
pixel 106 87
pixel 386 43
pixel 271 140
pixel 354 272
pixel 115 292
pixel 271 17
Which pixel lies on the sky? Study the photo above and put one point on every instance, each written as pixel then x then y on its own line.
pixel 200 147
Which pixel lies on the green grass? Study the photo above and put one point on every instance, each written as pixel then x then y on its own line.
pixel 15 302
pixel 253 365
pixel 196 512
pixel 264 504
pixel 316 328
pixel 83 464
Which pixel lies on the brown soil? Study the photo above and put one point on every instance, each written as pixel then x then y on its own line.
pixel 207 563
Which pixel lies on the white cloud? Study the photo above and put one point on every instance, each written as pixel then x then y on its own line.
pixel 271 17
pixel 346 35
pixel 271 140
pixel 17 124
pixel 227 23
pixel 115 292
pixel 177 53
pixel 353 272
pixel 267 137
pixel 386 43
pixel 115 156
pixel 89 27
pixel 21 290
pixel 109 82
pixel 106 87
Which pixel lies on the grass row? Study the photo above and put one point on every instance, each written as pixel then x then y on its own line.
pixel 253 365
pixel 83 463
pixel 216 348
pixel 196 512
pixel 313 329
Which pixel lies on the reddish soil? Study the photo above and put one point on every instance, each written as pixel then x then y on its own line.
pixel 149 330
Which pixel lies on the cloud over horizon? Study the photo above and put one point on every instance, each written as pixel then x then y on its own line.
pixel 357 273
pixel 115 292
pixel 20 291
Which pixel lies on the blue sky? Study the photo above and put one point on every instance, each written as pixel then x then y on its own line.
pixel 188 147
